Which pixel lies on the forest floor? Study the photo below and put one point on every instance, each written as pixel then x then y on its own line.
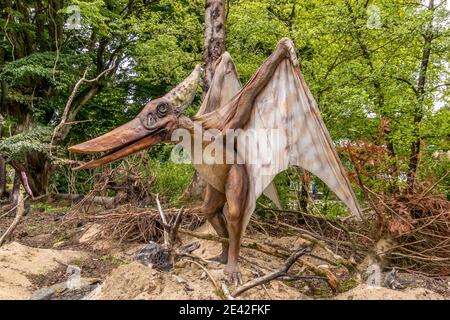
pixel 42 248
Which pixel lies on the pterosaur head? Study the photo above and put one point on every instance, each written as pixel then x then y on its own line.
pixel 154 124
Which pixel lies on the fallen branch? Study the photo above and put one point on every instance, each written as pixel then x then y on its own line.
pixel 219 291
pixel 9 211
pixel 319 242
pixel 226 292
pixel 19 214
pixel 283 273
pixel 276 252
pixel 164 221
pixel 107 202
pixel 67 108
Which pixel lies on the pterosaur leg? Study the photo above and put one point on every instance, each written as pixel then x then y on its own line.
pixel 236 189
pixel 212 210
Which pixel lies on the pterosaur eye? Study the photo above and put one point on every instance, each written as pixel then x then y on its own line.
pixel 161 110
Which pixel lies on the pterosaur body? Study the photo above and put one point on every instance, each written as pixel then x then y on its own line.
pixel 273 122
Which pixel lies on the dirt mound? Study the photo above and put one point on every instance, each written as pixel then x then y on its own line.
pixel 128 282
pixel 120 278
pixel 19 262
pixel 188 281
pixel 364 292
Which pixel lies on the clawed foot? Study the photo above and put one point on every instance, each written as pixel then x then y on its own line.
pixel 233 276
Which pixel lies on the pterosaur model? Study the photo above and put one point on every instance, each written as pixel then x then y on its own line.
pixel 273 122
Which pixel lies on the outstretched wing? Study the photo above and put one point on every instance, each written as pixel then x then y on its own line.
pixel 281 126
pixel 224 86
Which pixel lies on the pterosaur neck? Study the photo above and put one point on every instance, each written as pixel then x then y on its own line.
pixel 186 123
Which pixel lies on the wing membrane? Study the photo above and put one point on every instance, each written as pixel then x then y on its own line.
pixel 281 126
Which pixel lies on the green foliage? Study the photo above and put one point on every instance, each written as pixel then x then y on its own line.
pixel 47 208
pixel 35 140
pixel 169 44
pixel 39 66
pixel 331 41
pixel 358 75
pixel 331 209
pixel 94 14
pixel 171 180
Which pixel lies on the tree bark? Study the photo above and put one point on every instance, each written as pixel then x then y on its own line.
pixel 214 47
pixel 38 169
pixel 2 165
pixel 305 179
pixel 214 38
pixel 14 195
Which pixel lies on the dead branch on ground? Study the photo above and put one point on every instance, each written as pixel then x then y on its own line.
pixel 282 273
pixel 218 290
pixel 19 214
pixel 127 223
pixel 272 251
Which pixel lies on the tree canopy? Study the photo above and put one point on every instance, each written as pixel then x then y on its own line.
pixel 378 69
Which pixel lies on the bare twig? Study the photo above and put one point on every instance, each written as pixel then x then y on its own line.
pixel 214 282
pixel 435 184
pixel 278 274
pixel 19 214
pixel 68 106
pixel 270 250
pixel 164 221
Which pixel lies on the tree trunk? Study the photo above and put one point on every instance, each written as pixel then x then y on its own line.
pixel 214 38
pixel 305 179
pixel 214 47
pixel 2 165
pixel 420 93
pixel 14 195
pixel 38 169
pixel 2 177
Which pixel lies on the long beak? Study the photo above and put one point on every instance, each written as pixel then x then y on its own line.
pixel 133 136
pixel 137 146
pixel 120 142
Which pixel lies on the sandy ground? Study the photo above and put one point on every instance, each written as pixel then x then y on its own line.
pixel 189 281
pixel 364 292
pixel 121 278
pixel 19 262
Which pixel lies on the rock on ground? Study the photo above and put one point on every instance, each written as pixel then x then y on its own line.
pixel 17 262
